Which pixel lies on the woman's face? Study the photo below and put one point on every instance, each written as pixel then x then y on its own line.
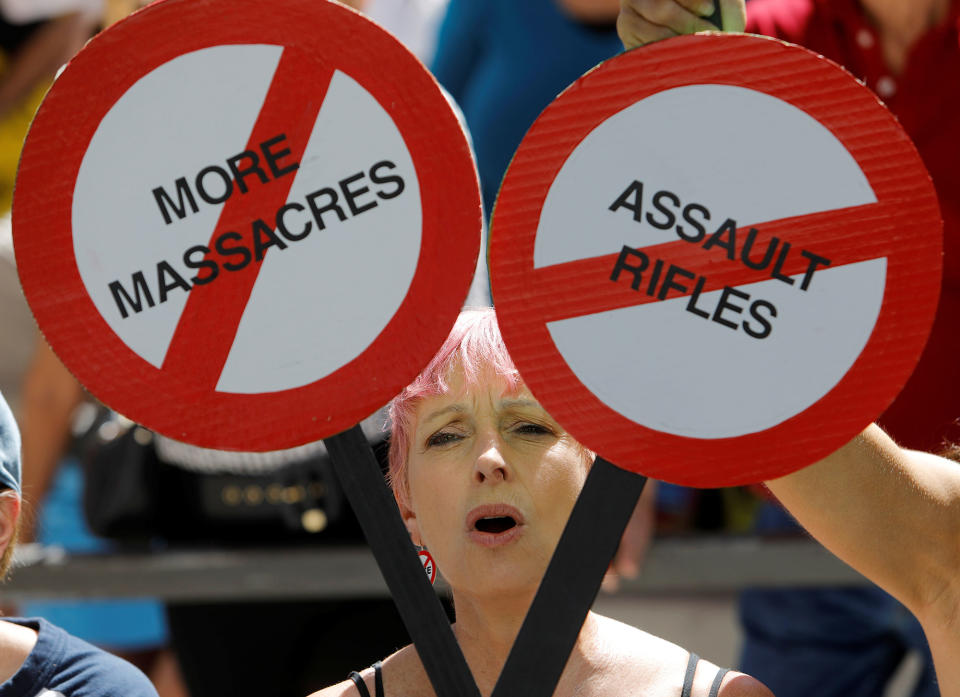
pixel 492 480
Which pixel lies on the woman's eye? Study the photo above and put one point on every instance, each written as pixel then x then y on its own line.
pixel 530 429
pixel 442 438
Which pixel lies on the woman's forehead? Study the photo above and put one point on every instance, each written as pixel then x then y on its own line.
pixel 480 379
pixel 461 395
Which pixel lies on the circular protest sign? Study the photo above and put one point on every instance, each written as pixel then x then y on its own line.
pixel 717 274
pixel 250 234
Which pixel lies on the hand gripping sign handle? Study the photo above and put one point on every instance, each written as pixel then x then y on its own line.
pixel 716 19
pixel 361 478
pixel 571 582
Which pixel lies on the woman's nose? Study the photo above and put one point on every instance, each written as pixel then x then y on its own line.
pixel 490 465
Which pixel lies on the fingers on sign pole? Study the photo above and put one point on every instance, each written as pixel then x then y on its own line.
pixel 716 275
pixel 235 235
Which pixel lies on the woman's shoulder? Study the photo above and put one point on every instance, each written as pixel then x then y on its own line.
pixel 402 674
pixel 341 689
pixel 624 644
pixel 662 665
pixel 740 685
pixel 626 655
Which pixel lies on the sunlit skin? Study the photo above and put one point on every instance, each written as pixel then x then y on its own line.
pixel 487 484
pixel 492 479
pixel 486 452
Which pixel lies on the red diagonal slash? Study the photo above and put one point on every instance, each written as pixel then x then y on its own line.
pixel 208 324
pixel 584 287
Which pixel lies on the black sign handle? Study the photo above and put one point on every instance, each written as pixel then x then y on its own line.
pixel 559 608
pixel 359 474
pixel 571 582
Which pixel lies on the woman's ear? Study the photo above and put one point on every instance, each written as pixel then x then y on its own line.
pixel 402 497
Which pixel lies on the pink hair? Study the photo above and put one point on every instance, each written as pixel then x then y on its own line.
pixel 473 346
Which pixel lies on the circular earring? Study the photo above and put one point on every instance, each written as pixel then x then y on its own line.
pixel 429 566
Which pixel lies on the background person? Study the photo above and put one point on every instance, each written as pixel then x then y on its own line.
pixel 413 22
pixel 37 657
pixel 36 38
pixel 53 482
pixel 806 640
pixel 499 59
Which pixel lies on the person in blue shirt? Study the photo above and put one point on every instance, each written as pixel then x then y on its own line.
pixel 499 61
pixel 36 657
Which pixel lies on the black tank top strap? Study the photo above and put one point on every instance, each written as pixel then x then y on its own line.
pixel 377 681
pixel 715 687
pixel 687 679
pixel 361 686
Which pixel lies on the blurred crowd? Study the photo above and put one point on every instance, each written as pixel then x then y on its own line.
pixel 502 61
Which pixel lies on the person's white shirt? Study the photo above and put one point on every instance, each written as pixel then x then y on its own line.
pixel 414 22
pixel 24 11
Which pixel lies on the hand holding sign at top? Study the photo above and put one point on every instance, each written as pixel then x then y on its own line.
pixel 645 21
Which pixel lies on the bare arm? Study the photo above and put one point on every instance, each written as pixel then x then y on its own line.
pixel 635 542
pixel 50 46
pixel 50 395
pixel 343 689
pixel 894 515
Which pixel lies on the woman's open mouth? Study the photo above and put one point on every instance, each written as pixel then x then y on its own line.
pixel 496 524
pixel 492 525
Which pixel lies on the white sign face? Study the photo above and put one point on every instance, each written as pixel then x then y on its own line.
pixel 711 358
pixel 154 183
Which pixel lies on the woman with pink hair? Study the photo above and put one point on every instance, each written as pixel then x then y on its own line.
pixel 486 479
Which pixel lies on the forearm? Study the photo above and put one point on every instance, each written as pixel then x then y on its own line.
pixel 52 45
pixel 892 514
pixel 49 396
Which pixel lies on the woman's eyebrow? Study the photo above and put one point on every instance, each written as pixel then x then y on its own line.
pixel 452 408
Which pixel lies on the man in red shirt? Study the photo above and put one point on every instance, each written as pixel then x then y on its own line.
pixel 909 54
pixel 848 641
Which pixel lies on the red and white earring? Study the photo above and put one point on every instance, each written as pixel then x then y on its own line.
pixel 429 566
